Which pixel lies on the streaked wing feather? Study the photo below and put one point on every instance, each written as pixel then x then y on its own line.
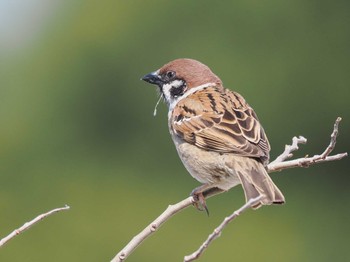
pixel 220 120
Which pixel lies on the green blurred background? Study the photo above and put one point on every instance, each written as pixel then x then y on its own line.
pixel 77 126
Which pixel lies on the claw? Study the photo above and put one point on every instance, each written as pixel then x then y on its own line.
pixel 200 203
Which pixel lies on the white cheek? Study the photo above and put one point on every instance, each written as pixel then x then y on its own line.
pixel 177 83
pixel 166 91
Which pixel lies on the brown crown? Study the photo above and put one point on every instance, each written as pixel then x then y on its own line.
pixel 193 72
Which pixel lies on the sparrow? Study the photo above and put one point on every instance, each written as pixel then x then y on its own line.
pixel 217 135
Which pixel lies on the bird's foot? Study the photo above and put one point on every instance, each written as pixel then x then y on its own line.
pixel 200 203
pixel 201 193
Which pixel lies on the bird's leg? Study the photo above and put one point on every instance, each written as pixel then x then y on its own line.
pixel 201 193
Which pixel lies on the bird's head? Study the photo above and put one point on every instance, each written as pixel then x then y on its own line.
pixel 181 77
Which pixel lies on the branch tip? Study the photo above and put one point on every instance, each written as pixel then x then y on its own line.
pixel 29 224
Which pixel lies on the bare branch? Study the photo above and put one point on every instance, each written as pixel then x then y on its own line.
pixel 30 223
pixel 278 164
pixel 217 231
pixel 151 228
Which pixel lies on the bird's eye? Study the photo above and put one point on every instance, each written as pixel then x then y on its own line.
pixel 170 74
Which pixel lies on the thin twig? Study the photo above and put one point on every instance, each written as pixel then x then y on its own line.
pixel 217 231
pixel 277 165
pixel 30 223
pixel 333 141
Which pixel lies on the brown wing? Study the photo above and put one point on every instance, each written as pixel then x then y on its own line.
pixel 220 120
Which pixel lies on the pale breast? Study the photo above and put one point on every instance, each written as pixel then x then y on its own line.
pixel 209 167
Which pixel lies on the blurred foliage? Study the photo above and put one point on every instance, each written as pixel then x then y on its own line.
pixel 77 126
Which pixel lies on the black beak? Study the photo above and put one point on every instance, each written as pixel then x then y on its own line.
pixel 153 78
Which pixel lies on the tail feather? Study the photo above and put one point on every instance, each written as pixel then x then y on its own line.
pixel 258 183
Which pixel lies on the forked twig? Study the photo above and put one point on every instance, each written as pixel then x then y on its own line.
pixel 287 153
pixel 280 164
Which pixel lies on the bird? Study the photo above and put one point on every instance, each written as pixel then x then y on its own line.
pixel 217 135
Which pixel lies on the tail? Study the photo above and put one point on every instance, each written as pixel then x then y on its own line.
pixel 256 182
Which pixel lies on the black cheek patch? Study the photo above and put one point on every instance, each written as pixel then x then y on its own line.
pixel 177 91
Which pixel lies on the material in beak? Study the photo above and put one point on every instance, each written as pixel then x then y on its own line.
pixel 153 78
